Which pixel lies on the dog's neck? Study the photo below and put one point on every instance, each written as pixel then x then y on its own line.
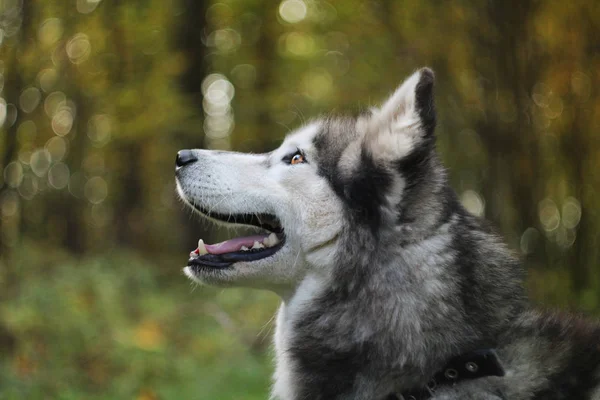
pixel 397 315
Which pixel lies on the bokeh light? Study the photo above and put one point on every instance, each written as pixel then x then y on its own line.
pixel 13 174
pixel 40 162
pixel 57 148
pixel 58 176
pixel 47 79
pixel 565 237
pixel 571 213
pixel 54 101
pixel 292 11
pixel 99 129
pixel 299 44
pixel 62 121
pixel 529 240
pixel 244 75
pixel 473 202
pixel 96 190
pixel 218 90
pixel 219 122
pixel 30 98
pixel 25 153
pixel 79 48
pixel 50 31
pixel 225 40
pixel 28 187
pixel 87 6
pixel 549 215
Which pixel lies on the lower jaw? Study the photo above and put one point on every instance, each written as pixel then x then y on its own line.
pixel 206 275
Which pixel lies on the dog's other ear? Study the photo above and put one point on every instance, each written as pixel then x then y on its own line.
pixel 406 119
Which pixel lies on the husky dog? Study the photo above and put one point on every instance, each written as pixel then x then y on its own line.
pixel 390 289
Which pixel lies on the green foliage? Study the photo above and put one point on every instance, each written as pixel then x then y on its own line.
pixel 113 327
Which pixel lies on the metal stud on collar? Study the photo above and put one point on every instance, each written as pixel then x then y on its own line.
pixel 472 367
pixel 451 373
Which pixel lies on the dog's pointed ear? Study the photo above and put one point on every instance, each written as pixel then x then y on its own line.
pixel 406 119
pixel 413 101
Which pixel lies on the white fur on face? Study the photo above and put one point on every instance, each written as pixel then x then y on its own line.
pixel 310 212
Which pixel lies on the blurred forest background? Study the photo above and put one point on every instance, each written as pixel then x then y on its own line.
pixel 96 97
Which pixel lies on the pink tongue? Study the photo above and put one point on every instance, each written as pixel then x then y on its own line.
pixel 232 245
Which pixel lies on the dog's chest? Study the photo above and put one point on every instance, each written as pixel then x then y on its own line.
pixel 284 386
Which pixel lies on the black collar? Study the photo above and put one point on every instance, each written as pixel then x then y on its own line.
pixel 473 365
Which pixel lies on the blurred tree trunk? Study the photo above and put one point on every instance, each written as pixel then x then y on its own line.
pixel 265 62
pixel 73 208
pixel 13 86
pixel 582 257
pixel 506 130
pixel 190 41
pixel 576 149
pixel 12 90
pixel 190 35
pixel 129 198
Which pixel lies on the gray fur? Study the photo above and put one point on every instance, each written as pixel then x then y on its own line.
pixel 384 275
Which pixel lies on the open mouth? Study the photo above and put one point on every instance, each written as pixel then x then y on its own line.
pixel 242 249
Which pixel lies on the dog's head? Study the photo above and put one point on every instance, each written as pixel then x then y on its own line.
pixel 338 189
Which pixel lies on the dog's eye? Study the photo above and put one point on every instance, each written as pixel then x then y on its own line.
pixel 295 158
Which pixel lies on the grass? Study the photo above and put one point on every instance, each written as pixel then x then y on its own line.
pixel 119 327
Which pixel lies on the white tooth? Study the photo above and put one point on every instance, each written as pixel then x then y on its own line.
pixel 273 240
pixel 267 242
pixel 261 246
pixel 244 248
pixel 201 247
pixel 256 245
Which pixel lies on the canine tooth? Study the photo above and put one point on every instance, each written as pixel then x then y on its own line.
pixel 244 248
pixel 256 245
pixel 273 240
pixel 201 247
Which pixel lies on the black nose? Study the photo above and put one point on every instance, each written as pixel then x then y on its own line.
pixel 185 157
